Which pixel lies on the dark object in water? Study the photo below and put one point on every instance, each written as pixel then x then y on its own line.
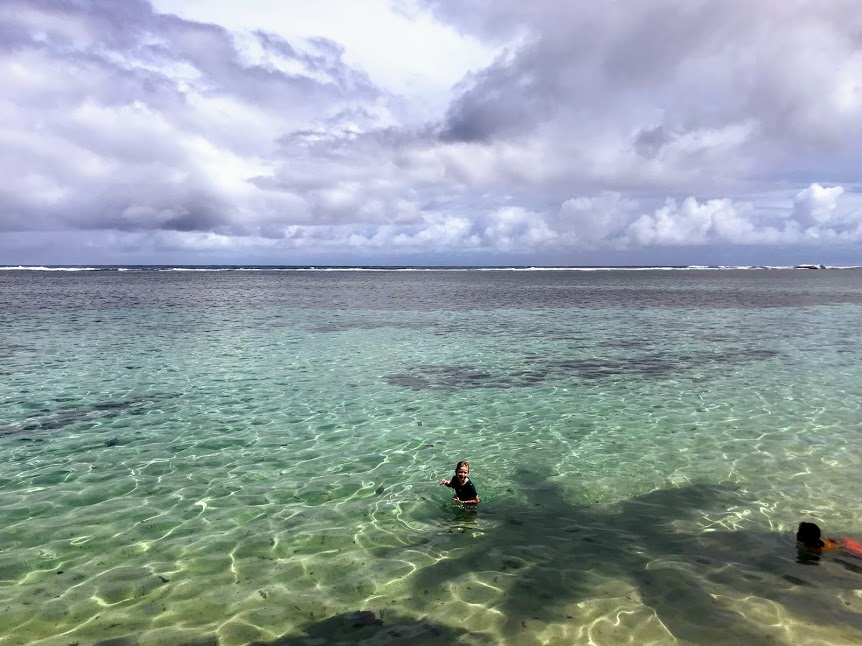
pixel 69 416
pixel 809 535
pixel 132 640
pixel 380 490
pixel 114 441
pixel 367 627
pixel 361 618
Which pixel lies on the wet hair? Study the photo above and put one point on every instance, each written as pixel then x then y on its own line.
pixel 462 463
pixel 809 535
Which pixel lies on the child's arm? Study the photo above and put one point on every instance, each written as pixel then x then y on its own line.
pixel 830 544
pixel 851 546
pixel 446 483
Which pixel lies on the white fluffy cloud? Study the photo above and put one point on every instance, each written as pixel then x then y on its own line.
pixel 817 205
pixel 595 220
pixel 695 223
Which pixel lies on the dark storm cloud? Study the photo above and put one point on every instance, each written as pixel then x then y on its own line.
pixel 694 65
pixel 650 141
pixel 503 100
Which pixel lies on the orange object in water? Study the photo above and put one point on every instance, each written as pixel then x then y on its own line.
pixel 852 546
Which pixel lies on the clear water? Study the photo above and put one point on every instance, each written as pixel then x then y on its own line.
pixel 253 457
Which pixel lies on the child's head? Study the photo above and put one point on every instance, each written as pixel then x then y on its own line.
pixel 462 468
pixel 809 535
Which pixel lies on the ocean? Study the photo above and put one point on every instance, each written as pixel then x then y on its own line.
pixel 252 455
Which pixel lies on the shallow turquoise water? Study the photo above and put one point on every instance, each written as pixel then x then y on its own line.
pixel 242 456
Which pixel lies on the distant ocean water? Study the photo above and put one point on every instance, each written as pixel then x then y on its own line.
pixel 250 455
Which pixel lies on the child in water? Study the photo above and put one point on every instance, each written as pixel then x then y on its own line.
pixel 465 491
pixel 810 541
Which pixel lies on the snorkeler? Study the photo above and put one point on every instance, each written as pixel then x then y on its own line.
pixel 809 539
pixel 465 491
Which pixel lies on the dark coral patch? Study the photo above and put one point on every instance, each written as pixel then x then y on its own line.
pixel 533 370
pixel 443 378
pixel 49 421
pixel 346 326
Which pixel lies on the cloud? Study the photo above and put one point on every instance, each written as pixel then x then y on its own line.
pixel 547 128
pixel 695 223
pixel 718 86
pixel 515 228
pixel 595 220
pixel 741 223
pixel 125 113
pixel 817 205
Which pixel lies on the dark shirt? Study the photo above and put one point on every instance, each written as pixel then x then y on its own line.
pixel 464 491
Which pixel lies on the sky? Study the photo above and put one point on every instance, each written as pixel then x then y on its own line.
pixel 429 132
